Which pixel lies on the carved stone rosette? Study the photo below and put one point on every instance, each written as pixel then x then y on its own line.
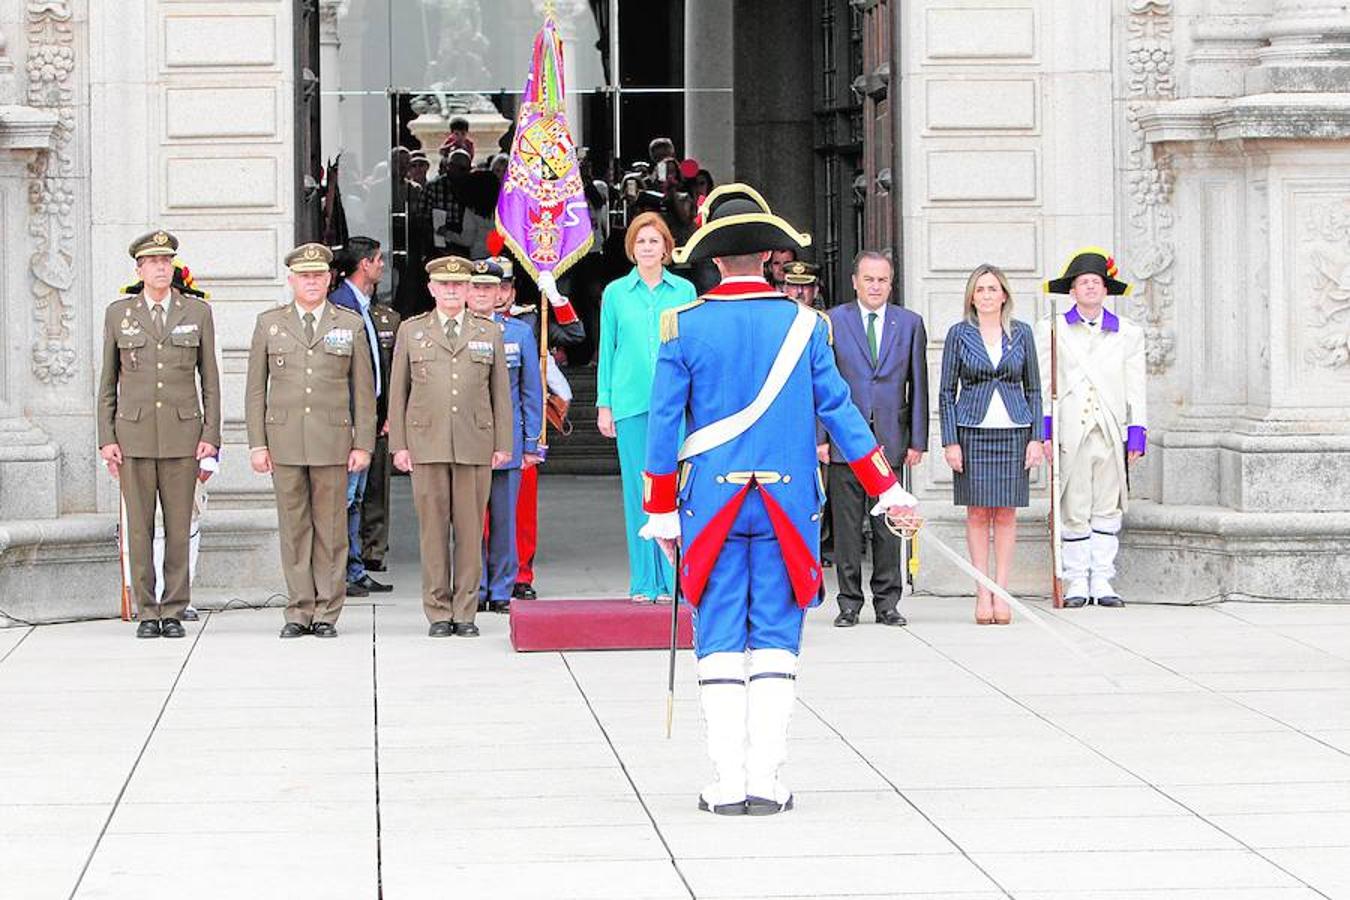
pixel 51 190
pixel 1150 64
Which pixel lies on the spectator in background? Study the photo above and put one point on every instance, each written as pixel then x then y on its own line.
pixel 458 138
pixel 445 197
pixel 773 272
pixel 989 403
pixel 418 167
pixel 630 325
pixel 498 166
pixel 480 211
pixel 360 265
pixel 660 148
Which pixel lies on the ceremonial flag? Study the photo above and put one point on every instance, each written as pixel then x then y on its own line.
pixel 541 211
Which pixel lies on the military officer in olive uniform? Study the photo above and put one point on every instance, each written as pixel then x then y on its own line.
pixel 450 422
pixel 375 504
pixel 310 409
pixel 158 415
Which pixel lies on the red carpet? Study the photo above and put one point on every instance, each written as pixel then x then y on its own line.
pixel 595 625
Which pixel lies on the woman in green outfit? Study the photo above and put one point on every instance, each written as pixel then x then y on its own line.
pixel 630 322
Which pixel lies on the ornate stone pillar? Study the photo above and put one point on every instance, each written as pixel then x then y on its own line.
pixel 1309 49
pixel 1252 462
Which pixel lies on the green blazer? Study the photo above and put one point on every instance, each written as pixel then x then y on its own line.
pixel 630 338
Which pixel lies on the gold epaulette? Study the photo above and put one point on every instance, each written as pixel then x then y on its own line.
pixel 670 320
pixel 829 325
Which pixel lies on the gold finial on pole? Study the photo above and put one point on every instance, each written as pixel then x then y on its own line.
pixel 549 9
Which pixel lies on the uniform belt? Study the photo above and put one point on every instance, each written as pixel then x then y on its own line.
pixel 762 477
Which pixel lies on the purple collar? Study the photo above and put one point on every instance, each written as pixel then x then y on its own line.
pixel 1109 320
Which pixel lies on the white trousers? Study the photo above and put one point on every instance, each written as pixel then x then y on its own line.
pixel 1091 490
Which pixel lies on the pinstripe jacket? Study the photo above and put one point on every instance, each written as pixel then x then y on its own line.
pixel 969 379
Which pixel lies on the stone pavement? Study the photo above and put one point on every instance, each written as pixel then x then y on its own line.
pixel 941 760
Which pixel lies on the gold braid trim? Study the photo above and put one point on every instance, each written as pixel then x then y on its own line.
pixel 670 320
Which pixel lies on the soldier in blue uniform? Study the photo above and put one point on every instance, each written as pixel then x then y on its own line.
pixel 747 371
pixel 527 402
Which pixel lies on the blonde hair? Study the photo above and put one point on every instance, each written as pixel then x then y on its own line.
pixel 972 316
pixel 641 222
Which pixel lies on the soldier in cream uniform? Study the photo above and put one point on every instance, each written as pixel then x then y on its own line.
pixel 158 416
pixel 1101 422
pixel 450 423
pixel 310 408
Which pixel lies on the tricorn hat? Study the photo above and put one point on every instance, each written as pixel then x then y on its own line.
pixel 737 221
pixel 1089 261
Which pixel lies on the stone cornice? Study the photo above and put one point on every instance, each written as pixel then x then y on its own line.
pixel 1257 117
pixel 27 128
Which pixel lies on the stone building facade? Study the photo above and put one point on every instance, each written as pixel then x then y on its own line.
pixel 1204 140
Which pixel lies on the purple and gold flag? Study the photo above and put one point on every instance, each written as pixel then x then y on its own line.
pixel 541 210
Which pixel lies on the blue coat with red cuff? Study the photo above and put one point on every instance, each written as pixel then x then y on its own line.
pixel 713 360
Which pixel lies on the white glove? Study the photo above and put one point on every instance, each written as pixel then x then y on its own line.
pixel 661 525
pixel 549 288
pixel 209 464
pixel 894 495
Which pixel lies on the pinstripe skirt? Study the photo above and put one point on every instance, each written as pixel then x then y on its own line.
pixel 994 463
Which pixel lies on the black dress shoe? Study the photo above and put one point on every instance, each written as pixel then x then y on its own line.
pixel 149 628
pixel 373 565
pixel 846 619
pixel 440 629
pixel 891 617
pixel 523 591
pixel 354 589
pixel 190 615
pixel 722 809
pixel 763 806
pixel 171 628
pixel 499 606
pixel 1113 602
pixel 465 629
pixel 370 584
pixel 293 630
pixel 826 562
pixel 1075 602
pixel 324 630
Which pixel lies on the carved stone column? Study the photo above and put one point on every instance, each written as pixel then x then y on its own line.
pixel 1309 49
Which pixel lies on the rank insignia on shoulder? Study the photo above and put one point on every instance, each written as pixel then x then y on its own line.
pixel 273 330
pixel 419 334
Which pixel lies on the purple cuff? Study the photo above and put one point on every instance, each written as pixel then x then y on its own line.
pixel 1048 430
pixel 1136 439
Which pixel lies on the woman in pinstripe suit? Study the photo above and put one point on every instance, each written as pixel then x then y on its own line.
pixel 989 403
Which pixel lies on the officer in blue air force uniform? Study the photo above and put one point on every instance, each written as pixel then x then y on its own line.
pixel 748 371
pixel 527 407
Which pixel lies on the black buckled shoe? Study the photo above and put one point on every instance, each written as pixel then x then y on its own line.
pixel 440 629
pixel 722 809
pixel 371 585
pixel 1111 601
pixel 293 630
pixel 763 806
pixel 465 629
pixel 149 628
pixel 499 606
pixel 1075 602
pixel 171 628
pixel 891 617
pixel 324 630
pixel 846 619
pixel 523 591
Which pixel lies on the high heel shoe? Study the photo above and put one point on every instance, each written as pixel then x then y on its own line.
pixel 984 613
pixel 1002 616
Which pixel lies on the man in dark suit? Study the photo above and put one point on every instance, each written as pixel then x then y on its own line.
pixel 882 352
pixel 361 265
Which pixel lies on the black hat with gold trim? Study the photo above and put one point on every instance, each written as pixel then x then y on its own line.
pixel 1089 261
pixel 737 221
pixel 799 272
pixel 486 271
pixel 309 258
pixel 508 268
pixel 455 269
pixel 154 243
